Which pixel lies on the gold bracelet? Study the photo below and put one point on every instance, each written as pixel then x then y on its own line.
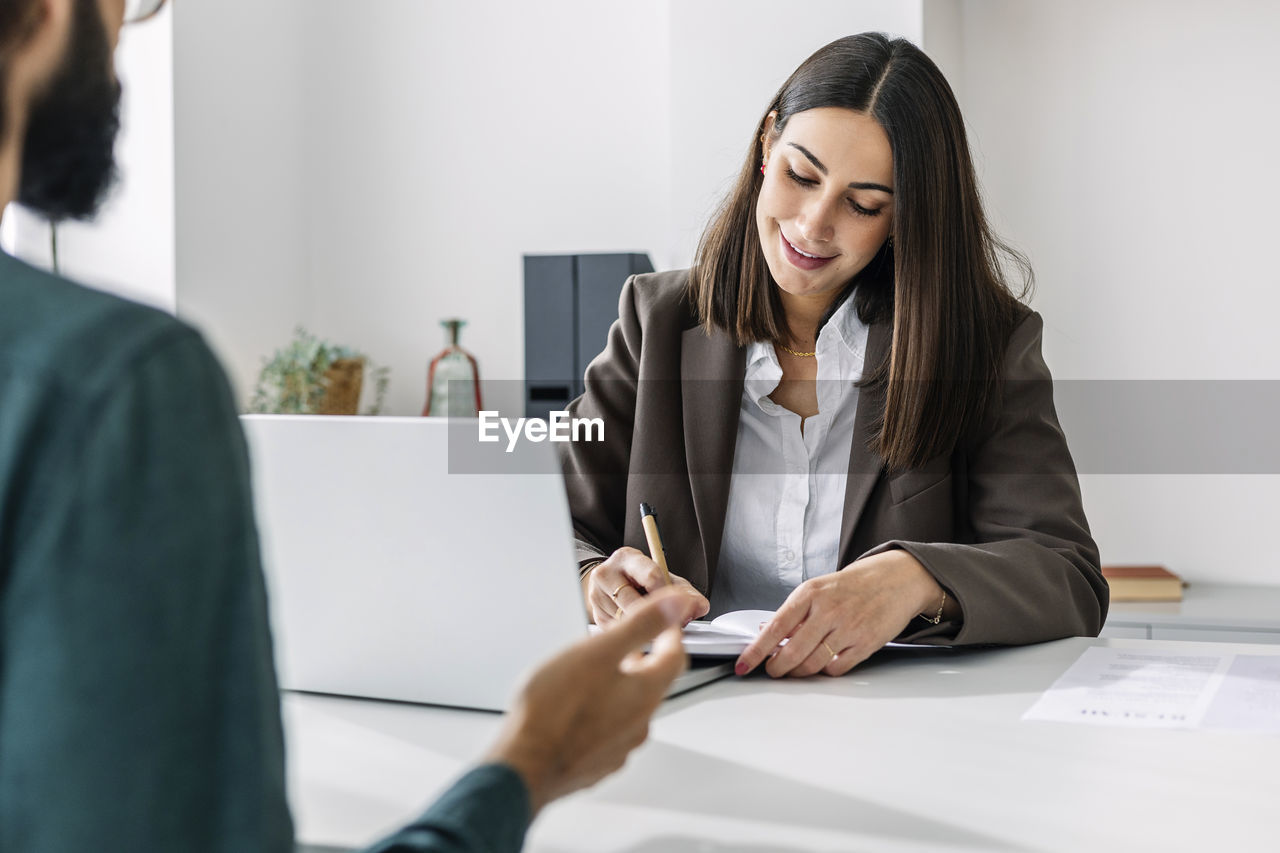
pixel 937 617
pixel 585 570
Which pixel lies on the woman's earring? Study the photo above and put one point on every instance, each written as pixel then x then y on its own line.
pixel 762 168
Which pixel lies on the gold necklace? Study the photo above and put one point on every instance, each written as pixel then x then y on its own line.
pixel 800 354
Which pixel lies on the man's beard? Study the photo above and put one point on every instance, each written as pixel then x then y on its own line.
pixel 68 156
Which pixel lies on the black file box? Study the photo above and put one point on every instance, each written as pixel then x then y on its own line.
pixel 570 301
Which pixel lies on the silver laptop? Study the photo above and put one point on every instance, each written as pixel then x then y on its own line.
pixel 405 565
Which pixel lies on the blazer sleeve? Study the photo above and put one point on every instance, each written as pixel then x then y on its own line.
pixel 595 472
pixel 1032 571
pixel 486 811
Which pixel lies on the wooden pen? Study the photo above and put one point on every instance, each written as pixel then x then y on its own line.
pixel 649 520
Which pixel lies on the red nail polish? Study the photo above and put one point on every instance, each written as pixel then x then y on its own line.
pixel 740 668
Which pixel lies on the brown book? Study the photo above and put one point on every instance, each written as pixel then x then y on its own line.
pixel 1142 583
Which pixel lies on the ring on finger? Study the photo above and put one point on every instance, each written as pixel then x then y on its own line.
pixel 834 655
pixel 614 594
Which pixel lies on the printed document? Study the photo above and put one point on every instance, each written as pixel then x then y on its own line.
pixel 1162 689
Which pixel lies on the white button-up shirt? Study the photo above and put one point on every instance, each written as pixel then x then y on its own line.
pixel 786 494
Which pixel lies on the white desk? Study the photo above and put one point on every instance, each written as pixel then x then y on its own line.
pixel 916 750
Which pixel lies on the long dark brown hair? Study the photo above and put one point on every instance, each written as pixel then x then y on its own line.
pixel 938 280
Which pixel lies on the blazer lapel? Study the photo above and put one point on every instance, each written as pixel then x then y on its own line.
pixel 711 377
pixel 865 466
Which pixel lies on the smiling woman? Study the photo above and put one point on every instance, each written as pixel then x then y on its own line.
pixel 811 219
pixel 880 114
pixel 841 408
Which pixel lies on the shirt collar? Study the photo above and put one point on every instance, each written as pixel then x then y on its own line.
pixel 841 349
pixel 847 330
pixel 763 373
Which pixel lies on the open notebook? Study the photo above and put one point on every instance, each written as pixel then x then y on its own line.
pixel 729 634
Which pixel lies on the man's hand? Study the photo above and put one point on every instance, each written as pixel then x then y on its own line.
pixel 621 582
pixel 582 712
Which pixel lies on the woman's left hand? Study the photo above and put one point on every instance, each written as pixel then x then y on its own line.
pixel 834 622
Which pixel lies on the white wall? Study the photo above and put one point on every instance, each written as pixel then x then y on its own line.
pixel 1130 149
pixel 445 139
pixel 942 37
pixel 240 212
pixel 129 247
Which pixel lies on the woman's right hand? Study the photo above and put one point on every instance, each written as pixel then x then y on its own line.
pixel 622 581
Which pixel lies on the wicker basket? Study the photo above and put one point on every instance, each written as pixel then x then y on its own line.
pixel 342 382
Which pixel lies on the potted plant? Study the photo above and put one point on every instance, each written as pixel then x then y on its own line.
pixel 310 376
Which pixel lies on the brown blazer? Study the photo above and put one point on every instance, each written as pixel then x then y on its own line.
pixel 998 522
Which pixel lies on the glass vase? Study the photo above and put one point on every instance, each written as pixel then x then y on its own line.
pixel 453 378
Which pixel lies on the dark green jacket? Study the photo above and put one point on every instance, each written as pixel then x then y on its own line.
pixel 138 701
